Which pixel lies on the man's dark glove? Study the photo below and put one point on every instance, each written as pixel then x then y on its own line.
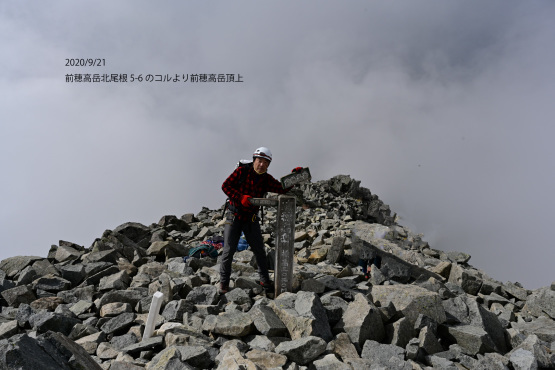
pixel 245 200
pixel 297 169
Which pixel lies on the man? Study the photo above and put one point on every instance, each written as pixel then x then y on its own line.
pixel 249 181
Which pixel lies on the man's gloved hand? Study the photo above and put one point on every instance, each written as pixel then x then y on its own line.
pixel 245 200
pixel 297 169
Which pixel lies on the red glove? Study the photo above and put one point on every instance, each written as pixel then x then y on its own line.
pixel 297 169
pixel 245 200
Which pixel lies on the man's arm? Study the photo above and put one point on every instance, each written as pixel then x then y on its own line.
pixel 274 186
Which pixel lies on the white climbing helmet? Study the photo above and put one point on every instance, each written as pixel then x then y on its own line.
pixel 263 152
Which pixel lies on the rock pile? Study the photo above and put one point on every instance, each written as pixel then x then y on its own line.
pixel 86 308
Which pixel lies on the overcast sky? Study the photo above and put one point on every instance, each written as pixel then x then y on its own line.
pixel 444 109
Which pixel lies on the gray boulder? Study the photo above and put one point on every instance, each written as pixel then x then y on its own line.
pixel 44 321
pixel 119 323
pixel 267 322
pixel 381 354
pixel 541 302
pixel 18 295
pixel 543 327
pixel 361 321
pixel 234 324
pixel 411 301
pixel 49 351
pixel 303 350
pixel 205 295
pixel 13 265
pixel 472 339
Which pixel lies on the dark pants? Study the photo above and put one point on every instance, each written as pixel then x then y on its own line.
pixel 232 233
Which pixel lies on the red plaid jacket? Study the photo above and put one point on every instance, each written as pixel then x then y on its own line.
pixel 245 181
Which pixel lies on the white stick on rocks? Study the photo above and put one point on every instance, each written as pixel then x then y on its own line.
pixel 152 314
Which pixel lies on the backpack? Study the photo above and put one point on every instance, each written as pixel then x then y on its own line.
pixel 203 251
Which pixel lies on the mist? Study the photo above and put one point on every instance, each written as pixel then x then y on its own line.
pixel 444 110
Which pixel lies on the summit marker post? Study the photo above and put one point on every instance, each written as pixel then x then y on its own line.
pixel 285 239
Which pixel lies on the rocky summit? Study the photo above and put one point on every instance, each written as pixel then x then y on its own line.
pixel 420 308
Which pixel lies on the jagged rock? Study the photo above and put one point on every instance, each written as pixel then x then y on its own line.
pixel 522 359
pixel 381 354
pixel 234 324
pixel 398 264
pixel 49 351
pixel 412 350
pixel 343 347
pixel 265 343
pixel 441 363
pixel 125 296
pixel 118 323
pixel 410 301
pixel 490 286
pixel 542 353
pixel 443 269
pixel 266 360
pixel 144 345
pixel 428 341
pixel 117 281
pixel 135 231
pixel 82 330
pixel 205 294
pixel 313 285
pixel 304 323
pixel 97 277
pixel 234 360
pixel 472 339
pixel 115 309
pixel 333 283
pixel 13 265
pixel 43 321
pixel 166 249
pixel 468 311
pixel 108 256
pixel 335 308
pixel 543 327
pixel 469 280
pixel 267 322
pixel 400 332
pixel 78 294
pixel 195 356
pixel 73 273
pixel 18 295
pixel 493 298
pixel 303 350
pixel 238 296
pixel 458 257
pixel 174 310
pixel 455 353
pixel 361 321
pixel 67 253
pixel 493 361
pixel 46 303
pixel 9 329
pixel 105 351
pixel 308 305
pixel 124 365
pixel 540 302
pixel 329 362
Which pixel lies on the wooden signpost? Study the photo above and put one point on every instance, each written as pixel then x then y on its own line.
pixel 295 178
pixel 285 239
pixel 285 230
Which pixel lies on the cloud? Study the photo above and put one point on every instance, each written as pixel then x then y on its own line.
pixel 442 109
